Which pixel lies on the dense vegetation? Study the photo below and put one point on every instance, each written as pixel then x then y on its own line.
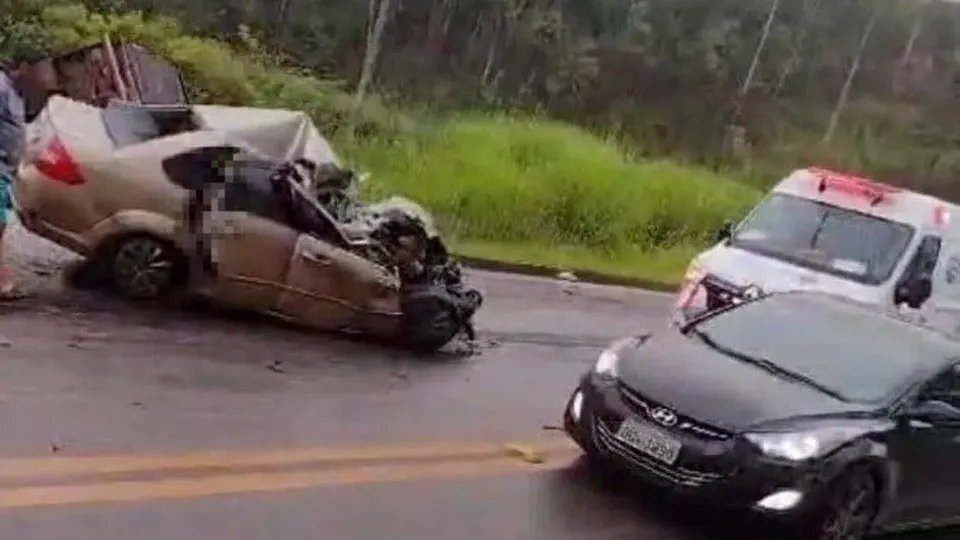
pixel 666 79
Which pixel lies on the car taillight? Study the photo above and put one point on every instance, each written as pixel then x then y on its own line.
pixel 55 163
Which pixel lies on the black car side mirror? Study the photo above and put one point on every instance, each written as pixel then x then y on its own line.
pixel 725 231
pixel 913 292
pixel 933 411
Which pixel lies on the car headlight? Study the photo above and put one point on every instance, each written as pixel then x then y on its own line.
pixel 609 359
pixel 803 445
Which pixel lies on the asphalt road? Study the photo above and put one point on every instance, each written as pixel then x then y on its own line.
pixel 123 423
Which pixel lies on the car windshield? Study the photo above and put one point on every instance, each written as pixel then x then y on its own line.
pixel 824 238
pixel 838 347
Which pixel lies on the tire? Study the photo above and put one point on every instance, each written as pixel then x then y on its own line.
pixel 429 321
pixel 849 511
pixel 143 267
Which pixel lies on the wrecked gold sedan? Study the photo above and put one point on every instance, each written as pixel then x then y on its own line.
pixel 248 207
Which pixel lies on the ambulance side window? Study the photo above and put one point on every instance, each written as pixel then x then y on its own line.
pixel 924 261
pixel 915 286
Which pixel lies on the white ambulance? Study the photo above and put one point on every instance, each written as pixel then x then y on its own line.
pixel 837 233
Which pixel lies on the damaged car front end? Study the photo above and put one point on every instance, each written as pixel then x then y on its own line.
pixel 402 237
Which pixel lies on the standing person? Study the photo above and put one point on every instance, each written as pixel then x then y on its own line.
pixel 12 124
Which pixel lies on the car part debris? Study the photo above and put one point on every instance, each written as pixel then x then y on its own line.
pixel 525 453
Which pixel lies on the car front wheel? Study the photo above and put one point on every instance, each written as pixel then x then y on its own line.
pixel 849 511
pixel 429 321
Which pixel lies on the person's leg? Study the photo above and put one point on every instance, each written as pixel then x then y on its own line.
pixel 7 279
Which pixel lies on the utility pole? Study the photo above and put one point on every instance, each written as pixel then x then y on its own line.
pixel 809 11
pixel 733 131
pixel 372 50
pixel 281 23
pixel 761 45
pixel 848 83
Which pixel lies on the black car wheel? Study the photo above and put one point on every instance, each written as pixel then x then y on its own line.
pixel 144 267
pixel 429 322
pixel 850 510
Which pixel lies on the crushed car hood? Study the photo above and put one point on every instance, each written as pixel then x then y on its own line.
pixel 408 207
pixel 284 135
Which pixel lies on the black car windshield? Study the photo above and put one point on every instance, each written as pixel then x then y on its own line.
pixel 824 238
pixel 842 348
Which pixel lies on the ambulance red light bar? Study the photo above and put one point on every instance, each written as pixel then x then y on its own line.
pixel 849 184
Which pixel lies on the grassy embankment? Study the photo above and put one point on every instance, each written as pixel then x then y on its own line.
pixel 518 190
pixel 550 194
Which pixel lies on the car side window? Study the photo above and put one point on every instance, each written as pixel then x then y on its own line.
pixel 945 388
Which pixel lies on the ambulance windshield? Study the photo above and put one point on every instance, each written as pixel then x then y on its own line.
pixel 824 238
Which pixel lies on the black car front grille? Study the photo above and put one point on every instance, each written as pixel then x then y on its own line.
pixel 643 406
pixel 720 293
pixel 676 475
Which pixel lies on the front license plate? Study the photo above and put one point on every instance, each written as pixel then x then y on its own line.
pixel 649 440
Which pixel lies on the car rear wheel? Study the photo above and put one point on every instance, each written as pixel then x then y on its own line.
pixel 850 511
pixel 145 268
pixel 429 322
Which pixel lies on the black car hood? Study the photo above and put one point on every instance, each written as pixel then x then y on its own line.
pixel 702 383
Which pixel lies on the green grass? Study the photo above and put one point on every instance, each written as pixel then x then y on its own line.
pixel 550 194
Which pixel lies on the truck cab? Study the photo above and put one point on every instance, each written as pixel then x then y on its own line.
pixel 838 233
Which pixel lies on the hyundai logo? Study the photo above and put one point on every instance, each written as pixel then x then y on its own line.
pixel 664 417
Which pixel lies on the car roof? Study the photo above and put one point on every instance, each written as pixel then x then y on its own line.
pixel 278 133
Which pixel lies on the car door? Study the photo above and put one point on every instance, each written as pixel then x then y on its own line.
pixel 233 230
pixel 332 288
pixel 928 454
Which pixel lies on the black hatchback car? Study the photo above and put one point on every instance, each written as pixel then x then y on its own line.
pixel 829 419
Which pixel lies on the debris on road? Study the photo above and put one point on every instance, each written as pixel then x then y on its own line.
pixel 276 366
pixel 525 453
pixel 90 336
pixel 568 283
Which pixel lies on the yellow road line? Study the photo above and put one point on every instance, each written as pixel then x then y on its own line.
pixel 96 465
pixel 228 484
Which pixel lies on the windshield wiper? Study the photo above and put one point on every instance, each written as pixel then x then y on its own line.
pixel 766 365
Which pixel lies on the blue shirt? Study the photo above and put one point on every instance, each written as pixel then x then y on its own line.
pixel 11 125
